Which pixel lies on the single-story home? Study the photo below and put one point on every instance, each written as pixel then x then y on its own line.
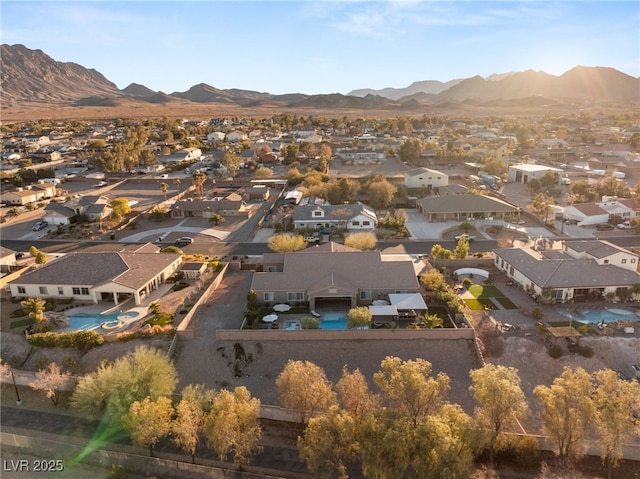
pixel 425 178
pixel 99 276
pixel 29 194
pixel 331 276
pixel 351 217
pixel 256 193
pixel 466 208
pixel 228 206
pixel 599 212
pixel 7 259
pixel 579 271
pixel 58 214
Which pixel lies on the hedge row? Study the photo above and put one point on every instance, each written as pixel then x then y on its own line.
pixel 83 340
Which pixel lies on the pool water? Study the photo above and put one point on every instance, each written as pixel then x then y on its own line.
pixel 333 321
pixel 606 315
pixel 90 321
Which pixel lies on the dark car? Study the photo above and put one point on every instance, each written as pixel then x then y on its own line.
pixel 184 241
pixel 604 227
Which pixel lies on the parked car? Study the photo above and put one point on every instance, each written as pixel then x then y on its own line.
pixel 184 241
pixel 311 238
pixel 101 184
pixel 466 236
pixel 604 227
pixel 624 226
pixel 40 225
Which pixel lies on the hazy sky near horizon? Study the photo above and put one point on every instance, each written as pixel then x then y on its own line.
pixel 323 46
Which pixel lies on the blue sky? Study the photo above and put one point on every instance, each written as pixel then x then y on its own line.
pixel 324 46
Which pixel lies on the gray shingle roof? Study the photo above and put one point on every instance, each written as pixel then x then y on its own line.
pixel 464 203
pixel 566 273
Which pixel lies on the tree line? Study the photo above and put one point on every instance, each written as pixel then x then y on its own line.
pixel 405 428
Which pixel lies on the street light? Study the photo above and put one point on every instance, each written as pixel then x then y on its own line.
pixel 18 400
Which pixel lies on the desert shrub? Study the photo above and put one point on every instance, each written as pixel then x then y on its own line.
pixel 18 313
pixel 160 318
pixel 309 322
pixel 69 361
pixel 15 361
pixel 42 362
pixel 555 351
pixel 179 286
pixel 585 351
pixel 526 451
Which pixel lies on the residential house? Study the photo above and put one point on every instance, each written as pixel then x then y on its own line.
pixel 425 178
pixel 581 270
pixel 99 276
pixel 7 259
pixel 466 207
pixel 193 269
pixel 236 136
pixel 361 157
pixel 331 276
pixel 351 217
pixel 256 193
pixel 231 205
pixel 187 154
pixel 58 214
pixel 29 194
pixel 94 207
pixel 588 214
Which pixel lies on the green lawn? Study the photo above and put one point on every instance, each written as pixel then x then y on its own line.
pixel 21 323
pixel 474 304
pixel 506 303
pixel 478 291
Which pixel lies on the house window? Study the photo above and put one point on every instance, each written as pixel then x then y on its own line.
pixel 633 260
pixel 80 291
pixel 296 296
pixel 317 213
pixel 21 290
pixel 268 296
pixel 606 261
pixel 624 261
pixel 60 290
pixel 42 289
pixel 85 291
pixel 366 223
pixel 365 294
pixel 356 223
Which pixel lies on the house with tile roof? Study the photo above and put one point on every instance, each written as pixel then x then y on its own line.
pixel 466 207
pixel 353 217
pixel 581 270
pixel 112 276
pixel 331 276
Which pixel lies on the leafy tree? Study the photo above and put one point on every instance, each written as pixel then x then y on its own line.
pixel 232 425
pixel 354 395
pixel 359 317
pixel 381 194
pixel 409 150
pixel 110 390
pixel 362 241
pixel 164 187
pixel 40 256
pixel 541 205
pixel 187 425
pixel 282 243
pixel 500 400
pixel 549 179
pixel 303 387
pixel 148 421
pixel 120 207
pixel 216 218
pixel 433 321
pixel 495 166
pixel 584 190
pixel 49 381
pixel 177 182
pixel 264 172
pixel 567 411
pixel 440 252
pixel 231 162
pixel 410 388
pixel 328 442
pixel 462 248
pixel 35 307
pixel 614 400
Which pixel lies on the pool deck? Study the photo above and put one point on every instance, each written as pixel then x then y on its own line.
pixel 123 309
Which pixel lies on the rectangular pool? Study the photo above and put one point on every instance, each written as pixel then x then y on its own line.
pixel 333 321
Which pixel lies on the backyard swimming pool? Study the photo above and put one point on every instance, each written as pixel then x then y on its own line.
pixel 82 321
pixel 594 316
pixel 333 321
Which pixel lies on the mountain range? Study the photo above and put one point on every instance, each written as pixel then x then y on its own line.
pixel 31 76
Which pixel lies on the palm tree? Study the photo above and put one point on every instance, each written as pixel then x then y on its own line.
pixel 177 183
pixel 198 182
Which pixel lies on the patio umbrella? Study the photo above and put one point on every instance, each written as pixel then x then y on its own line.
pixel 281 307
pixel 270 318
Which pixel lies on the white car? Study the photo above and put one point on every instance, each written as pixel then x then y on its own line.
pixel 101 184
pixel 624 226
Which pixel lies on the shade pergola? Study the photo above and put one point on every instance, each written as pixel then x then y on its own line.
pixel 564 332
